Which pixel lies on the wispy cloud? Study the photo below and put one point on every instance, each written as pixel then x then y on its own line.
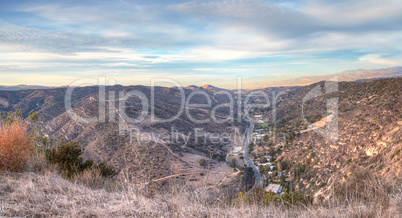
pixel 254 38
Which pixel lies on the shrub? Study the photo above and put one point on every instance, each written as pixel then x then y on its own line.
pixel 296 198
pixel 203 162
pixel 395 154
pixel 105 170
pixel 68 157
pixel 271 198
pixel 16 142
pixel 322 184
pixel 233 163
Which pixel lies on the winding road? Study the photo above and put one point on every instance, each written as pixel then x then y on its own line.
pixel 249 162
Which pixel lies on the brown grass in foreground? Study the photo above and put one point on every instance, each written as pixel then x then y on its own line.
pixel 16 143
pixel 48 194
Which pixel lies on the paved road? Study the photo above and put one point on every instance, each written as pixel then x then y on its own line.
pixel 249 162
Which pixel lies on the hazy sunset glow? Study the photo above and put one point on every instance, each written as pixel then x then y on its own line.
pixel 194 42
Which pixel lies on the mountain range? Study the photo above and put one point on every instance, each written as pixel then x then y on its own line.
pixel 348 75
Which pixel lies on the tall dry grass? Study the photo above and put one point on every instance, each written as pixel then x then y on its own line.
pixel 37 195
pixel 93 178
pixel 363 187
pixel 16 143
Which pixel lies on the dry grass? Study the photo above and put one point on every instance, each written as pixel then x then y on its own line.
pixel 364 186
pixel 29 194
pixel 38 164
pixel 16 144
pixel 93 178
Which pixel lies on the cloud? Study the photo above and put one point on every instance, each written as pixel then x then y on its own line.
pixel 354 13
pixel 377 59
pixel 265 39
pixel 14 38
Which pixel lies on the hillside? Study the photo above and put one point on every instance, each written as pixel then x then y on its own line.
pixel 158 150
pixel 370 136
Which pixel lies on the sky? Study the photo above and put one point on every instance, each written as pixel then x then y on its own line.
pixel 56 42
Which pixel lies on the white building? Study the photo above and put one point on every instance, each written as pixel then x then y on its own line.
pixel 274 188
pixel 237 149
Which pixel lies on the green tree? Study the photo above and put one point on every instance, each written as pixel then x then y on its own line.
pixel 233 163
pixel 203 162
pixel 34 117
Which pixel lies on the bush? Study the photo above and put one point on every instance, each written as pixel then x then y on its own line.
pixel 271 198
pixel 203 162
pixel 105 170
pixel 16 142
pixel 395 154
pixel 68 158
pixel 296 198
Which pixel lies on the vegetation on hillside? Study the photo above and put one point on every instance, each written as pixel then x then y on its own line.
pixel 16 141
pixel 68 158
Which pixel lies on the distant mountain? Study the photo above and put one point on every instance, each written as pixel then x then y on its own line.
pixel 362 74
pixel 212 88
pixel 24 87
pixel 192 87
pixel 349 75
pixel 206 87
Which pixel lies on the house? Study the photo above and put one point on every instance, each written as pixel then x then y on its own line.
pixel 278 189
pixel 237 149
pixel 259 136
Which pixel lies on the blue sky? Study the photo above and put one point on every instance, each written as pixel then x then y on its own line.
pixel 194 42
